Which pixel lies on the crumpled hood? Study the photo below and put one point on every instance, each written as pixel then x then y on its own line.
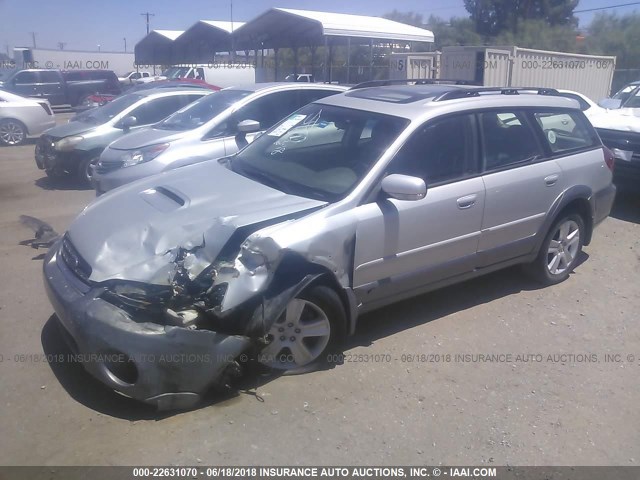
pixel 146 137
pixel 134 232
pixel 71 128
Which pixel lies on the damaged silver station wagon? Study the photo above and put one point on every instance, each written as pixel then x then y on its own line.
pixel 353 202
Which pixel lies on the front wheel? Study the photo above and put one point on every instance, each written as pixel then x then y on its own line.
pixel 312 325
pixel 560 250
pixel 86 170
pixel 12 132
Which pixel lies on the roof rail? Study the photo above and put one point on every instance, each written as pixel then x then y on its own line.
pixel 415 81
pixel 476 92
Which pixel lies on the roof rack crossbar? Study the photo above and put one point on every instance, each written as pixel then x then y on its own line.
pixel 476 92
pixel 415 81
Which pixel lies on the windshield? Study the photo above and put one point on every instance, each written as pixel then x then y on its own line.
pixel 633 101
pixel 631 90
pixel 201 111
pixel 321 152
pixel 106 112
pixel 177 72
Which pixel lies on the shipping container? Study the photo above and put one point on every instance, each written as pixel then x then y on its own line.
pixel 413 65
pixel 510 66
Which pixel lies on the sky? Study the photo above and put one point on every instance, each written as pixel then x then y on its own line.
pixel 85 24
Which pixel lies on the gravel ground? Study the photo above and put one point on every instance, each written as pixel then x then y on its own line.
pixel 562 389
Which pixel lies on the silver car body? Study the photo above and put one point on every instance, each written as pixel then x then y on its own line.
pixel 35 115
pixel 191 146
pixel 169 232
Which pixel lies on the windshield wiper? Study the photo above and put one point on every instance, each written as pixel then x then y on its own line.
pixel 260 176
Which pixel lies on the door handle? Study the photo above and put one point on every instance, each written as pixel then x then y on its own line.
pixel 551 180
pixel 467 201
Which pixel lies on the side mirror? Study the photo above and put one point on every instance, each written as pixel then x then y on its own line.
pixel 404 187
pixel 610 103
pixel 244 127
pixel 128 122
pixel 248 126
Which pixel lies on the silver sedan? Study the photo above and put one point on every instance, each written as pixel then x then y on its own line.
pixel 22 117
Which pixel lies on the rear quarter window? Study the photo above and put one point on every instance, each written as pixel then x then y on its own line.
pixel 565 130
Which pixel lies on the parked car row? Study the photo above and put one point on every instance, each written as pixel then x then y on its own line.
pixel 180 132
pixel 74 148
pixel 213 127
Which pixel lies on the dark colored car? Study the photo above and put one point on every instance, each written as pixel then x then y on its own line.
pixel 625 145
pixel 62 87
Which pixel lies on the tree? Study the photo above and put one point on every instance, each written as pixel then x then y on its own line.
pixel 540 35
pixel 457 31
pixel 410 18
pixel 493 17
pixel 610 34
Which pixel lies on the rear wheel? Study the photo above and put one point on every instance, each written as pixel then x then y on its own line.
pixel 560 250
pixel 12 132
pixel 312 325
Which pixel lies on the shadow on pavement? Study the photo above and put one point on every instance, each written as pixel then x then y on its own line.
pixel 62 183
pixel 627 207
pixel 431 306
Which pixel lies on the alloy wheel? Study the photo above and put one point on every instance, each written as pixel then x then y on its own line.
pixel 563 247
pixel 298 337
pixel 11 133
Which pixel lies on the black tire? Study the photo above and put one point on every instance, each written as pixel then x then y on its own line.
pixel 85 170
pixel 54 174
pixel 541 269
pixel 327 300
pixel 12 132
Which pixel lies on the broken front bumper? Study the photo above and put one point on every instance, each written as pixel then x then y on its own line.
pixel 167 366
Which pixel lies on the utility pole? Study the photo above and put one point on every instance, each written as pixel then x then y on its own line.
pixel 33 36
pixel 147 15
pixel 125 43
pixel 233 47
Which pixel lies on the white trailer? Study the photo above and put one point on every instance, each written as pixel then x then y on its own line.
pixel 590 75
pixel 119 62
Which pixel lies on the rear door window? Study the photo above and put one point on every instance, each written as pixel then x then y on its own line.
pixel 157 109
pixel 565 130
pixel 268 109
pixel 507 139
pixel 49 77
pixel 308 96
pixel 24 78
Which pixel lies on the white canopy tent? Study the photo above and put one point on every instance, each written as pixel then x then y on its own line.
pixel 156 47
pixel 203 40
pixel 290 28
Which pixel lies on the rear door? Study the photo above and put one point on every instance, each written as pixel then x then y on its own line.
pixel 521 184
